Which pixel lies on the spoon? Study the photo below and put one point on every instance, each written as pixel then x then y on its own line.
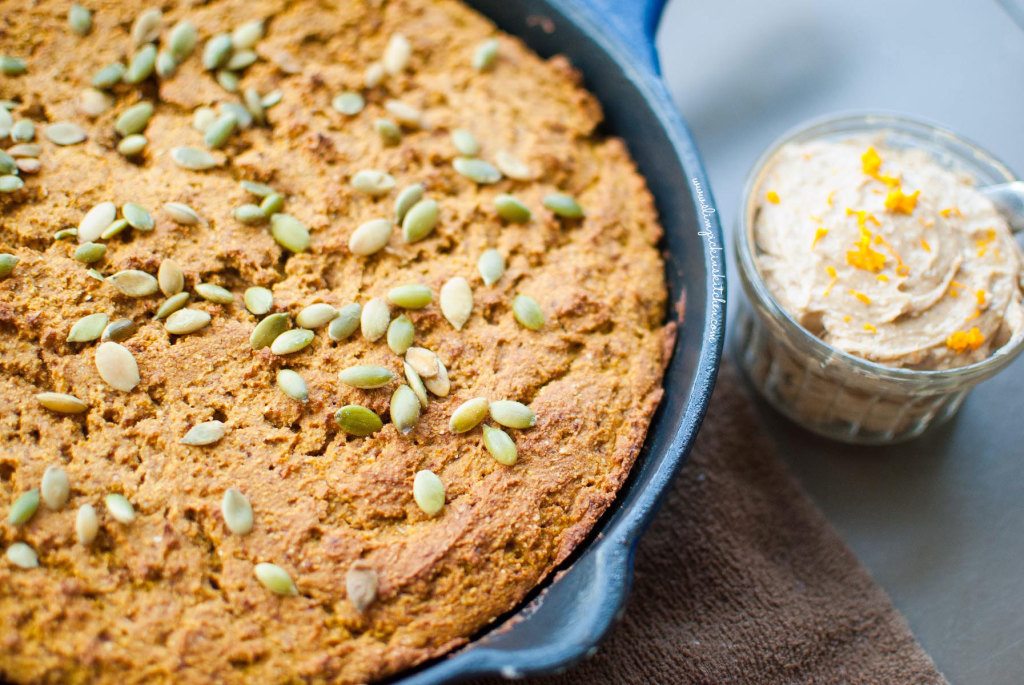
pixel 1009 200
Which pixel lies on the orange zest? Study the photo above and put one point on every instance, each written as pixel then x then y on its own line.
pixel 965 341
pixel 899 202
pixel 833 277
pixel 870 328
pixel 860 296
pixel 864 256
pixel 818 235
pixel 925 246
pixel 772 197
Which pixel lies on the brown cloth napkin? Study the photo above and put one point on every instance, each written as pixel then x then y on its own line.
pixel 741 580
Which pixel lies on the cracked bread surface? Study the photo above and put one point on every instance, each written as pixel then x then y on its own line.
pixel 172 597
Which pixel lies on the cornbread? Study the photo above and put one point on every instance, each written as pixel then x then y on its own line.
pixel 222 457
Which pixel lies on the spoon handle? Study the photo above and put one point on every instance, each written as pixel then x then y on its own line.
pixel 1009 200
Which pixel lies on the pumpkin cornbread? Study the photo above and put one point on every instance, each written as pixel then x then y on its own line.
pixel 357 333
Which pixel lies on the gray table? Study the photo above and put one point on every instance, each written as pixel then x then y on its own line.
pixel 939 522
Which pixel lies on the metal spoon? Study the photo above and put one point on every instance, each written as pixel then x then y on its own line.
pixel 1009 200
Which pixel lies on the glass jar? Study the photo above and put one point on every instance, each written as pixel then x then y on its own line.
pixel 824 389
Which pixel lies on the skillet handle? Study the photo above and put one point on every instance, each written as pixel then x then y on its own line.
pixel 635 22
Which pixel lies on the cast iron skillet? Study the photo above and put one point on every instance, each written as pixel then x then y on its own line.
pixel 612 43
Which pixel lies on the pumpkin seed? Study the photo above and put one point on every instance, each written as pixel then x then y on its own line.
pixel 400 334
pixel 119 330
pixel 146 27
pixel 24 508
pixel 170 277
pixel 254 103
pixel 182 40
pixel 411 296
pixel 141 65
pixel 6 122
pixel 9 184
pixel 228 80
pixel 420 221
pixel 257 189
pixel 527 312
pixel 404 409
pixel 193 158
pixel 249 214
pixel 272 204
pixel 375 318
pixel 65 133
pixel 316 315
pixel 512 414
pixel 245 36
pixel 113 229
pixel 240 60
pixel 79 19
pixel 217 51
pixel 22 556
pixel 370 237
pixel 137 216
pixel 396 55
pixel 468 415
pixel 428 492
pixel 258 300
pixel 405 114
pixel 7 264
pixel 348 103
pixel 406 199
pixel 439 385
pixel 267 330
pixel 55 487
pixel 388 131
pixel 25 150
pixel 203 434
pixel 66 233
pixel 117 366
pixel 512 166
pixel 374 75
pixel 491 266
pixel 511 209
pixel 271 99
pixel 202 118
pixel 239 111
pixel 28 165
pixel 185 321
pixel 93 103
pixel 166 65
pixel 361 586
pixel 425 362
pixel 182 214
pixel 23 131
pixel 477 170
pixel 94 274
pixel 275 579
pixel 357 420
pixel 416 383
pixel 500 445
pixel 564 205
pixel 456 301
pixel 120 508
pixel 292 341
pixel 87 253
pixel 366 377
pixel 88 328
pixel 132 282
pixel 171 305
pixel 346 322
pixel 214 293
pixel 61 403
pixel 134 119
pixel 87 524
pixel 237 512
pixel 373 182
pixel 486 54
pixel 289 232
pixel 133 145
pixel 7 164
pixel 216 136
pixel 465 142
pixel 109 76
pixel 292 384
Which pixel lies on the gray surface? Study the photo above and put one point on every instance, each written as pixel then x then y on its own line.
pixel 939 522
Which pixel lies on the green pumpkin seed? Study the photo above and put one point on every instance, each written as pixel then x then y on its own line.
pixel 370 237
pixel 237 512
pixel 186 321
pixel 87 524
pixel 374 75
pixel 268 330
pixel 170 277
pixel 361 586
pixel 141 65
pixel 94 103
pixel 120 508
pixel 192 158
pixel 348 103
pixel 119 330
pixel 316 315
pixel 425 362
pixel 406 199
pixel 258 300
pixel 66 234
pixel 240 60
pixel 346 322
pixel 373 182
pixel 146 27
pixel 28 165
pixel 245 36
pixel 289 232
pixel 404 409
pixel 171 305
pixel 8 165
pixel 420 221
pixel 109 76
pixel 113 229
pixel 500 445
pixel 249 214
pixel 117 366
pixel 468 415
pixel 512 166
pixel 217 51
pixel 137 216
pixel 272 204
pixel 203 434
pixel 218 133
pixel 491 266
pixel 366 377
pixel 134 119
pixel 239 111
pixel 24 508
pixel 357 420
pixel 389 132
pixel 182 214
pixel 512 414
pixel 166 65
pixel 406 115
pixel 61 403
pixel 7 264
pixel 55 488
pixel 22 556
pixel 477 170
pixel 79 19
pixel 214 293
pixel 396 55
pixel 65 133
pixel 254 104
pixel 257 189
pixel 375 318
pixel 6 122
pixel 133 145
pixel 228 80
pixel 416 383
pixel 411 296
pixel 486 55
pixel 511 209
pixel 134 283
pixel 94 274
pixel 182 40
pixel 275 579
pixel 292 341
pixel 25 150
pixel 456 300
pixel 202 118
pixel 292 384
pixel 465 143
pixel 401 333
pixel 9 184
pixel 527 312
pixel 271 99
pixel 564 206
pixel 428 492
pixel 88 328
pixel 23 131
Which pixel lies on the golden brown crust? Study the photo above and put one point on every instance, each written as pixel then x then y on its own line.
pixel 172 596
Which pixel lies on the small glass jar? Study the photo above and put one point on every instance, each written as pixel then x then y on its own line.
pixel 827 390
